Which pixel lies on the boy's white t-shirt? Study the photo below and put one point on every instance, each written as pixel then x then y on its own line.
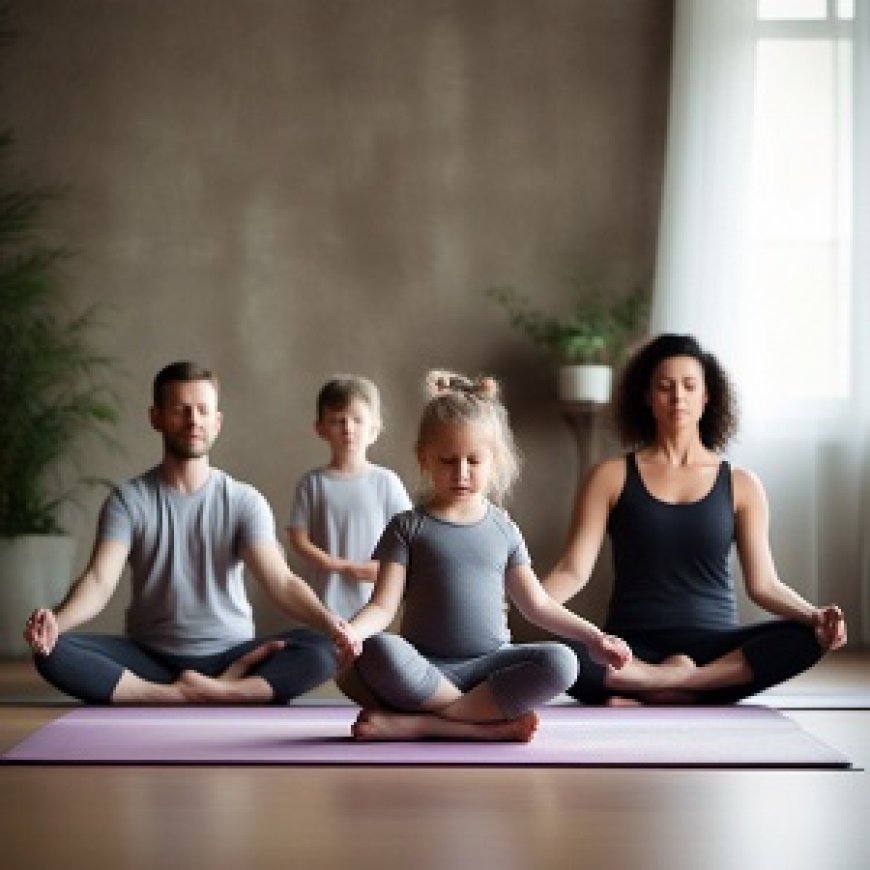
pixel 345 515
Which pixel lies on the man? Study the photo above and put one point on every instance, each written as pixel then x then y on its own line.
pixel 187 530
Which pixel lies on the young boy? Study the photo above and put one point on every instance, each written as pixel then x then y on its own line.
pixel 340 510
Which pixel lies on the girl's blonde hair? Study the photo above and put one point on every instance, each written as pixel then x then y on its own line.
pixel 457 400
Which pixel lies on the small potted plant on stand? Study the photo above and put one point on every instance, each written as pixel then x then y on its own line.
pixel 52 393
pixel 586 343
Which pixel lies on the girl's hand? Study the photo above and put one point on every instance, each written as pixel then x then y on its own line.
pixel 611 650
pixel 830 627
pixel 348 645
pixel 41 631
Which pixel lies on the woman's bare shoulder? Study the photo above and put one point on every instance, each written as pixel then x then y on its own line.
pixel 608 475
pixel 747 486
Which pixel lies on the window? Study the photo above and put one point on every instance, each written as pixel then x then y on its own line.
pixel 798 310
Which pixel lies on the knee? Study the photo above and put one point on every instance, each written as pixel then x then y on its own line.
pixel 560 665
pixel 317 649
pixel 798 642
pixel 395 674
pixel 46 664
pixel 381 652
pixel 803 640
pixel 786 649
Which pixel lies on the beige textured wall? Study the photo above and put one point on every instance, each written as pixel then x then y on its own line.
pixel 288 188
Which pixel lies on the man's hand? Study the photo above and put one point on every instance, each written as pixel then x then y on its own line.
pixel 348 645
pixel 41 631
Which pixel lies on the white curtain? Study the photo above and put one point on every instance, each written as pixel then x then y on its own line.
pixel 814 455
pixel 861 443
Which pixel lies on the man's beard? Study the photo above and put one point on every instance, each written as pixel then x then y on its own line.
pixel 179 449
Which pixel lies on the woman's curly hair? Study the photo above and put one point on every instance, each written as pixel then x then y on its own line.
pixel 633 418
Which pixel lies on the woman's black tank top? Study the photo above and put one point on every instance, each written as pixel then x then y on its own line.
pixel 671 561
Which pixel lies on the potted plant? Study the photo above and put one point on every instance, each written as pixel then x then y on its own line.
pixel 53 394
pixel 587 342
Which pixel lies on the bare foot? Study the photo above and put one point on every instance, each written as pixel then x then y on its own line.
pixel 241 667
pixel 378 725
pixel 197 688
pixel 678 665
pixel 619 701
pixel 640 676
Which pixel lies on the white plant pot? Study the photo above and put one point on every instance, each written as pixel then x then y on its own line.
pixel 585 383
pixel 35 571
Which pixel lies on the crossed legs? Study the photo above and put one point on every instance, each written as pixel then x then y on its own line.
pixel 700 666
pixel 488 697
pixel 107 669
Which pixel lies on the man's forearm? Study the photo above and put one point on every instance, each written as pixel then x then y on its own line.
pixel 299 601
pixel 82 603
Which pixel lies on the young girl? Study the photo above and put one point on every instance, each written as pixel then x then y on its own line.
pixel 452 672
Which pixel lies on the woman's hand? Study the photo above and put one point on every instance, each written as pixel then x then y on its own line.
pixel 611 650
pixel 41 631
pixel 830 627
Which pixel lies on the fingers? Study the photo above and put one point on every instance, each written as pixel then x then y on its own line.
pixel 614 651
pixel 837 633
pixel 349 648
pixel 347 645
pixel 345 653
pixel 830 625
pixel 40 631
pixel 344 635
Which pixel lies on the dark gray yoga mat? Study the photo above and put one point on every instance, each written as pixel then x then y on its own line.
pixel 741 736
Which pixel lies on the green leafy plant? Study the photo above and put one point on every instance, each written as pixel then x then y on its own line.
pixel 54 384
pixel 596 329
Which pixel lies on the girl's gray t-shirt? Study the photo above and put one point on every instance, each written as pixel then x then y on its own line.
pixel 455 604
pixel 188 592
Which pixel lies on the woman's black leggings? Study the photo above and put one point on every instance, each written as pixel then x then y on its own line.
pixel 775 651
pixel 88 666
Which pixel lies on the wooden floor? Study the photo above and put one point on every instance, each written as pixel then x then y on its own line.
pixel 438 819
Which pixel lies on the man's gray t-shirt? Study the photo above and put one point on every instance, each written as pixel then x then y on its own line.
pixel 188 593
pixel 455 604
pixel 345 515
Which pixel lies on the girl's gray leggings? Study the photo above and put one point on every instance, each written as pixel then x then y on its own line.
pixel 521 676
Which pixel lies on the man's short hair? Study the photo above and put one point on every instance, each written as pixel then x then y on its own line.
pixel 181 372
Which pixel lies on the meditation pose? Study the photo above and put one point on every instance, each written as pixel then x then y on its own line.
pixel 340 510
pixel 452 671
pixel 187 531
pixel 673 507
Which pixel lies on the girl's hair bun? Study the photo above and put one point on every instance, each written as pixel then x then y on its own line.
pixel 439 382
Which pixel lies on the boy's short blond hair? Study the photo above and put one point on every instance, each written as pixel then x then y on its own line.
pixel 340 390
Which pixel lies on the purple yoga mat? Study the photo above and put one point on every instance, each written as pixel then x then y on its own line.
pixel 741 736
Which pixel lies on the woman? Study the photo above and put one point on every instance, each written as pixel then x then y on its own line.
pixel 672 507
